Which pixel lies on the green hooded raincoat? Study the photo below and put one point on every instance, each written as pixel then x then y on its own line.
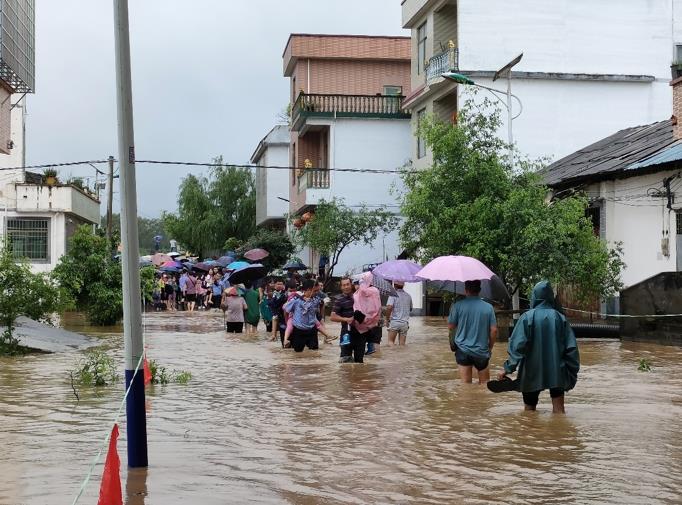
pixel 543 346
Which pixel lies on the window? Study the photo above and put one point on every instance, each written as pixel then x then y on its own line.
pixel 29 238
pixel 421 48
pixel 421 147
pixel 678 53
pixel 393 90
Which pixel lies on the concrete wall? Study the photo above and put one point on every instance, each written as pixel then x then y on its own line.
pixel 57 235
pixel 272 183
pixel 638 221
pixel 32 197
pixel 658 295
pixel 607 37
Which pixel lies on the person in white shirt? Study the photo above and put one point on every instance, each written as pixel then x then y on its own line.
pixel 398 310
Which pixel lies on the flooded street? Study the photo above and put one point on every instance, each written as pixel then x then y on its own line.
pixel 257 424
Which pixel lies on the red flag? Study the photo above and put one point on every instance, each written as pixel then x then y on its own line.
pixel 147 372
pixel 110 489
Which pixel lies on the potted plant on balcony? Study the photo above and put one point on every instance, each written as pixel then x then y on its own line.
pixel 50 177
pixel 676 69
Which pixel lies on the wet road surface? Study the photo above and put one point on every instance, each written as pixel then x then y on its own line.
pixel 258 424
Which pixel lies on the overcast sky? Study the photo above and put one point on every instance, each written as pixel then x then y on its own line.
pixel 207 79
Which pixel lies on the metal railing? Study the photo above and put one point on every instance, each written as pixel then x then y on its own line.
pixel 377 105
pixel 438 64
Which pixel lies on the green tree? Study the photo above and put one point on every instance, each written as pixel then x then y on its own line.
pixel 147 229
pixel 23 293
pixel 213 209
pixel 276 242
pixel 92 278
pixel 336 226
pixel 471 202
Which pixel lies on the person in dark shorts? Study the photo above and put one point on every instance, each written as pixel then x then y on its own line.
pixel 303 310
pixel 366 315
pixel 544 350
pixel 342 312
pixel 473 331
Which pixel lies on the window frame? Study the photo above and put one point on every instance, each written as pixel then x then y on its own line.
pixel 392 86
pixel 9 231
pixel 421 48
pixel 421 146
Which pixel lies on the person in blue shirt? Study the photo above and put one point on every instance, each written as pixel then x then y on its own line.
pixel 473 331
pixel 303 310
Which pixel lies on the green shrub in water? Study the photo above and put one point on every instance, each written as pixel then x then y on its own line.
pixel 161 375
pixel 644 365
pixel 97 368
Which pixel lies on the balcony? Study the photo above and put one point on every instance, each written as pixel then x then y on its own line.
pixel 313 178
pixel 346 106
pixel 69 199
pixel 447 61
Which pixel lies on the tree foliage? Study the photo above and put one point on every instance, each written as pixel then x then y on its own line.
pixel 93 279
pixel 471 202
pixel 276 242
pixel 147 229
pixel 23 293
pixel 336 226
pixel 213 209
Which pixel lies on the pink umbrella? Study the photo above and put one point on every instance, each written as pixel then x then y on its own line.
pixel 398 270
pixel 455 268
pixel 160 258
pixel 256 254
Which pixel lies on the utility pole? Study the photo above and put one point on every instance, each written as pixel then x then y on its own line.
pixel 136 425
pixel 110 197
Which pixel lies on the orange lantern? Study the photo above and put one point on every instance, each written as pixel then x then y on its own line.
pixel 307 217
pixel 298 223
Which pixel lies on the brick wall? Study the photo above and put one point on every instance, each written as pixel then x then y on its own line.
pixel 677 107
pixel 5 119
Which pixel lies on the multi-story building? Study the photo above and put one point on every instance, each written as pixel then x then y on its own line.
pixel 272 190
pixel 588 68
pixel 37 215
pixel 346 113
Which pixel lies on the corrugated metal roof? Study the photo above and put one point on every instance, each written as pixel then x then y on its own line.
pixel 611 155
pixel 667 155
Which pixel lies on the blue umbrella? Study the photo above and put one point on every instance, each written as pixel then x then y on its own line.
pixel 237 265
pixel 170 269
pixel 248 273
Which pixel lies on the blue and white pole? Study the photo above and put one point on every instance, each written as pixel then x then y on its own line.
pixel 136 425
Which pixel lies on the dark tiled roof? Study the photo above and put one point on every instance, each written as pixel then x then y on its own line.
pixel 33 178
pixel 610 156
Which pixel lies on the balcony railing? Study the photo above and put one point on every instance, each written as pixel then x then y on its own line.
pixel 446 61
pixel 318 105
pixel 313 178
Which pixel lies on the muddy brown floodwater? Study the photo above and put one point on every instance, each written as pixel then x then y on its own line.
pixel 261 425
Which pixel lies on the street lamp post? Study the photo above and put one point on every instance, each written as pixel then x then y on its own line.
pixel 505 71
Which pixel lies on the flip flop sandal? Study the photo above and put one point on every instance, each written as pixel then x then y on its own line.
pixel 503 386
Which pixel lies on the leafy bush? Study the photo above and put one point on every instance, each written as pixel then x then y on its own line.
pixel 161 375
pixel 23 293
pixel 93 278
pixel 644 365
pixel 96 368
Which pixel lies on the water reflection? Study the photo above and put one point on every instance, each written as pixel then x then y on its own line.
pixel 259 424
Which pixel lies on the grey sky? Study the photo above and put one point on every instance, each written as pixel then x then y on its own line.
pixel 207 80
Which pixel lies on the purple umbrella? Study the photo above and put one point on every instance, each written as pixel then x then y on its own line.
pixel 455 268
pixel 399 270
pixel 256 254
pixel 223 261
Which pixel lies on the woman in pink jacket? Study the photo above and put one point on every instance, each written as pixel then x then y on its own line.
pixel 367 312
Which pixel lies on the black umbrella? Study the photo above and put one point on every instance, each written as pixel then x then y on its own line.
pixel 384 286
pixel 493 289
pixel 249 273
pixel 294 265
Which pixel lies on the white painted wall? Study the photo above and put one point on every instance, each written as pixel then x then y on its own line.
pixel 639 222
pixel 581 36
pixel 560 117
pixel 31 197
pixel 577 36
pixel 57 235
pixel 277 180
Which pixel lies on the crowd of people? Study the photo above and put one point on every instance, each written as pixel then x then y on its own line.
pixel 542 347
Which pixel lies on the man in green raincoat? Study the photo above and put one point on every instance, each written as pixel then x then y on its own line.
pixel 544 350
